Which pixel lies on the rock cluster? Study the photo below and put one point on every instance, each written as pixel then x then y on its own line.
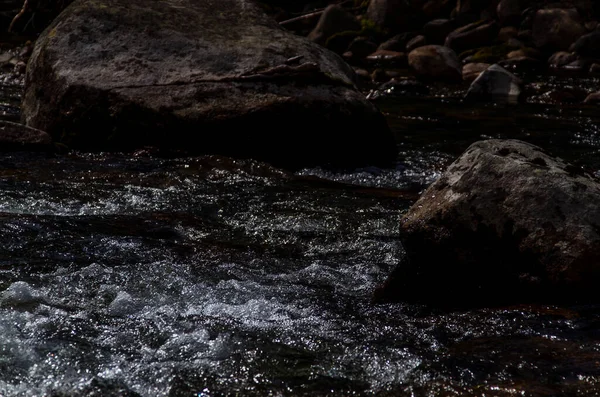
pixel 437 37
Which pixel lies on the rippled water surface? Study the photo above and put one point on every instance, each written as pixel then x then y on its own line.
pixel 206 276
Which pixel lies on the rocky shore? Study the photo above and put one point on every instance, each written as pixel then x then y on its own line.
pixel 391 41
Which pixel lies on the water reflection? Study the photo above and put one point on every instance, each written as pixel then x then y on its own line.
pixel 124 275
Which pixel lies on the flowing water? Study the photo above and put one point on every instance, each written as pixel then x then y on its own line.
pixel 207 276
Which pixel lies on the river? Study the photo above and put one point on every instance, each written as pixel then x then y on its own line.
pixel 126 275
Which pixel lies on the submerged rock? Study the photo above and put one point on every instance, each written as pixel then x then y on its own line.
pixel 505 223
pixel 201 77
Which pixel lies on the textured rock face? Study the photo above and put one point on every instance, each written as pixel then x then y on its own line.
pixel 200 76
pixel 506 223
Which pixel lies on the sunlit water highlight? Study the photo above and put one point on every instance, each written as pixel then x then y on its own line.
pixel 209 276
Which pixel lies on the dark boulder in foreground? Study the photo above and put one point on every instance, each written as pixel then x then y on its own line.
pixel 203 77
pixel 17 137
pixel 506 223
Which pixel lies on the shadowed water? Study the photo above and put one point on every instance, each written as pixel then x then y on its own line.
pixel 206 276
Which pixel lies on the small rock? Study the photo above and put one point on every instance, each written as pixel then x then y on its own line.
pixel 566 95
pixel 475 35
pixel 595 68
pixel 593 98
pixel 5 57
pixel 472 70
pixel 418 41
pixel 17 137
pixel 509 12
pixel 524 52
pixel 495 84
pixel 398 42
pixel 525 35
pixel 435 62
pixel 20 67
pixel 437 30
pixel 515 43
pixel 393 15
pixel 591 25
pixel 507 33
pixel 388 58
pixel 579 65
pixel 400 88
pixel 438 8
pixel 522 64
pixel 362 73
pixel 561 58
pixel 334 19
pixel 360 47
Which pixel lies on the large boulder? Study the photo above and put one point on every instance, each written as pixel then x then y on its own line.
pixel 206 77
pixel 505 223
pixel 435 62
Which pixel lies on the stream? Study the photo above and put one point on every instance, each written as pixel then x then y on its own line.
pixel 125 275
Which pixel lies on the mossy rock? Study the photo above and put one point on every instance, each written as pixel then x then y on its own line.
pixel 490 54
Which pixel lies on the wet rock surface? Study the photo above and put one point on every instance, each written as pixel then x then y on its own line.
pixel 199 79
pixel 495 84
pixel 505 223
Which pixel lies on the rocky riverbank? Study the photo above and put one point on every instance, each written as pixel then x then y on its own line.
pixel 391 42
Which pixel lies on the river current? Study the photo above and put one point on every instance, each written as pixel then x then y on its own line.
pixel 125 275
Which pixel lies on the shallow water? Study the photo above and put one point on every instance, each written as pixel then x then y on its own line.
pixel 123 275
